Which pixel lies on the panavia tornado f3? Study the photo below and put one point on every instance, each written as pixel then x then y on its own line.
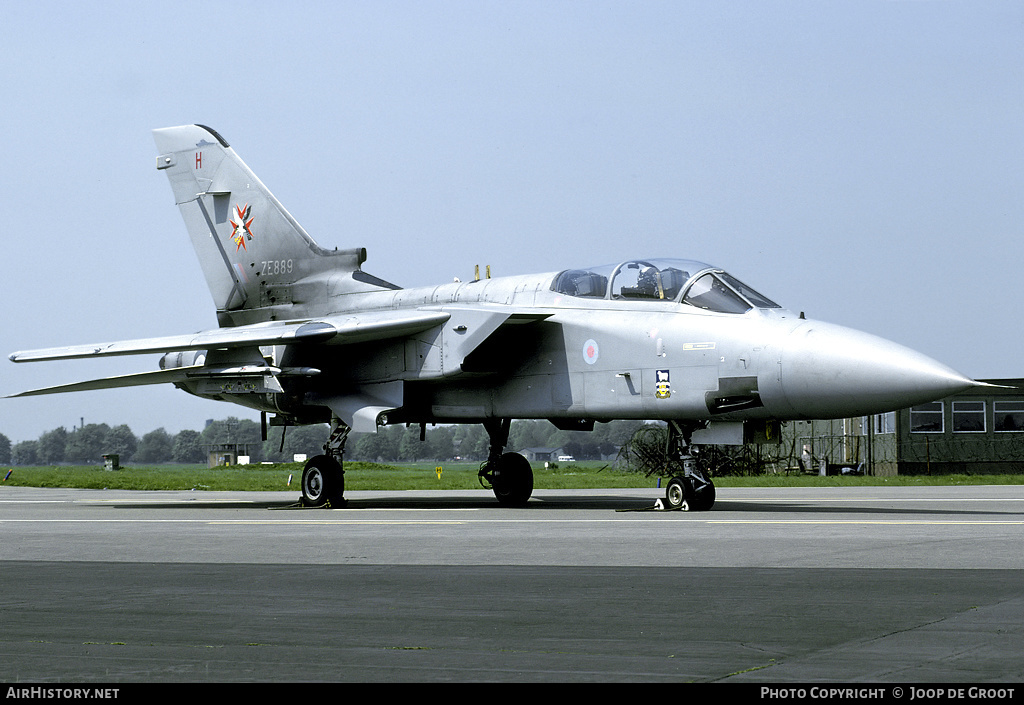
pixel 307 337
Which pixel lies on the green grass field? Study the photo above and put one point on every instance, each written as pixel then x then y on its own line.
pixel 420 476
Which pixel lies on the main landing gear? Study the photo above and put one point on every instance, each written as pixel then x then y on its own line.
pixel 323 477
pixel 692 488
pixel 509 475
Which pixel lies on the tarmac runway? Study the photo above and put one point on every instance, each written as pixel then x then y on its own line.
pixel 877 585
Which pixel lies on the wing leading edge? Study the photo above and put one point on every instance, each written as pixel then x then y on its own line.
pixel 330 330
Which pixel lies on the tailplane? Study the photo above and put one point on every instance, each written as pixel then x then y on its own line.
pixel 259 263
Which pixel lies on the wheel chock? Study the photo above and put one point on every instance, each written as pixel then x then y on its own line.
pixel 659 505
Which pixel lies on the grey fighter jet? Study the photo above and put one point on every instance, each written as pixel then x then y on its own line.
pixel 307 337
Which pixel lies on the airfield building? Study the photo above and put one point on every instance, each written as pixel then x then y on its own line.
pixel 978 431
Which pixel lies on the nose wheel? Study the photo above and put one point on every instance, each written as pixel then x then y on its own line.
pixel 694 492
pixel 675 493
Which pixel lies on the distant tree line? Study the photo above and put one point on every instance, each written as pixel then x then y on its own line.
pixel 88 443
pixel 470 441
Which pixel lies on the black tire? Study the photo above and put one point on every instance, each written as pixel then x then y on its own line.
pixel 323 482
pixel 676 492
pixel 697 492
pixel 512 480
pixel 700 493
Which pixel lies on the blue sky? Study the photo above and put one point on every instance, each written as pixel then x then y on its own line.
pixel 860 161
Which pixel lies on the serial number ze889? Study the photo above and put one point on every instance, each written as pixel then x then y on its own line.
pixel 276 266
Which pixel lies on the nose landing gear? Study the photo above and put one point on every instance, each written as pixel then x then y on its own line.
pixel 693 490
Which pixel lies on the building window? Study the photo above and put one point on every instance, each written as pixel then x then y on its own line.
pixel 927 418
pixel 885 423
pixel 1009 415
pixel 968 417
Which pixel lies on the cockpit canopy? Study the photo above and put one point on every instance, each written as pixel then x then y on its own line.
pixel 693 283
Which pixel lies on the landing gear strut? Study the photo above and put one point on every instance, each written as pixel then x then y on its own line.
pixel 323 477
pixel 693 489
pixel 509 475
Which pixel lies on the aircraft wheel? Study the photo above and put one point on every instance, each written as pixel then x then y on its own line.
pixel 512 480
pixel 700 492
pixel 675 493
pixel 697 491
pixel 323 481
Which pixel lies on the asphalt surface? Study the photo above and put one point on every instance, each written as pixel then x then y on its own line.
pixel 876 585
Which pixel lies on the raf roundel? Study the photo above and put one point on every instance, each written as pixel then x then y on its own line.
pixel 590 351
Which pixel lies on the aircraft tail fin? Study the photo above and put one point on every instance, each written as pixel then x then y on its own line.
pixel 259 263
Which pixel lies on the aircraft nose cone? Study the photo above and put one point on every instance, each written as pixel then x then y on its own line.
pixel 828 371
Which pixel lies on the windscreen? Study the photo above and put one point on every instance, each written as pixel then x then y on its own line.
pixel 752 296
pixel 711 294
